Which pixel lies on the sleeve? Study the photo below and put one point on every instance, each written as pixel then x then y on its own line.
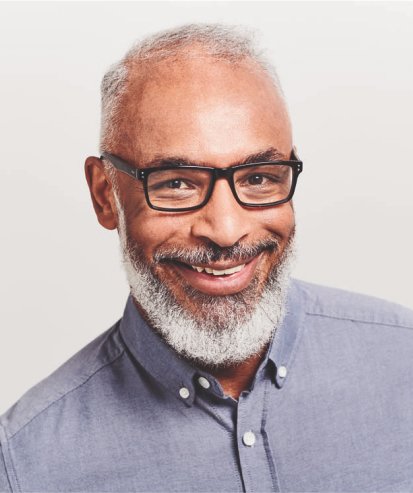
pixel 4 480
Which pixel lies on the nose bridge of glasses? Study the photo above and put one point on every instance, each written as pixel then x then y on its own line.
pixel 226 174
pixel 223 173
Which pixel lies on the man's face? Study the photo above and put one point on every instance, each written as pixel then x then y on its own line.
pixel 216 114
pixel 211 113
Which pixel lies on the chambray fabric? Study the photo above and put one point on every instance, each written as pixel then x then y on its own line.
pixel 340 419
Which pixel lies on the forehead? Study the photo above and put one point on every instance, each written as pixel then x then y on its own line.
pixel 205 110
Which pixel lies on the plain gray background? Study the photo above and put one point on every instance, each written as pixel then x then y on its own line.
pixel 347 72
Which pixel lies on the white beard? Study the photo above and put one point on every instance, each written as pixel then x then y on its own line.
pixel 226 330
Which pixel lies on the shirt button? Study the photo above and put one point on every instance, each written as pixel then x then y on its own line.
pixel 184 393
pixel 203 382
pixel 248 438
pixel 282 371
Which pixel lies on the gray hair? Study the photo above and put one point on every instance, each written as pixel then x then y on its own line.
pixel 230 43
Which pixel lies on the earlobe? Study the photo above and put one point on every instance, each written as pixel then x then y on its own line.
pixel 101 192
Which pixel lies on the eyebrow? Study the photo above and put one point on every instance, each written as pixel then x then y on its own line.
pixel 270 154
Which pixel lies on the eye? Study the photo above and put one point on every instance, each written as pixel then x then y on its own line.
pixel 177 184
pixel 255 180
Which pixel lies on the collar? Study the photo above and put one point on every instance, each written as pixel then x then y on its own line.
pixel 285 342
pixel 155 356
pixel 179 376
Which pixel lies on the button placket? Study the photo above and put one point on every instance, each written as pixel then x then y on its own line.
pixel 254 461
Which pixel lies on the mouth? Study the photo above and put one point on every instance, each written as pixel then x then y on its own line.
pixel 218 279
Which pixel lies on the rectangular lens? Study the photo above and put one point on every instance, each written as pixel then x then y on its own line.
pixel 178 188
pixel 263 183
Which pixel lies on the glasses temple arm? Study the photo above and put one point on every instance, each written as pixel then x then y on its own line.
pixel 120 164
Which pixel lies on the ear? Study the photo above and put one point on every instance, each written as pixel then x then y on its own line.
pixel 101 192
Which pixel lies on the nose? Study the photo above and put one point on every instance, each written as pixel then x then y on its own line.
pixel 222 220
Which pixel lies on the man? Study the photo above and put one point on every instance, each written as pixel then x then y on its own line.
pixel 223 374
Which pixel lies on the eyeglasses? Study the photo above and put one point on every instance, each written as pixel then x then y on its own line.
pixel 179 188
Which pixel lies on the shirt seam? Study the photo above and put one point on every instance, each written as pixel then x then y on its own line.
pixel 5 444
pixel 356 319
pixel 236 468
pixel 68 392
pixel 270 456
pixel 245 470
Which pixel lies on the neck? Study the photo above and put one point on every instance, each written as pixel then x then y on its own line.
pixel 237 378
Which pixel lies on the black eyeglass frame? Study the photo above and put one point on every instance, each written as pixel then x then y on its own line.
pixel 142 174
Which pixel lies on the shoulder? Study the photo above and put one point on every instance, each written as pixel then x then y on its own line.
pixel 88 364
pixel 355 340
pixel 333 303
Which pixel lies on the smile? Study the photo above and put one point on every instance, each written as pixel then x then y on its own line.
pixel 218 279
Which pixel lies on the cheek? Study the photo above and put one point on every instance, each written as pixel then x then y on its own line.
pixel 279 220
pixel 151 229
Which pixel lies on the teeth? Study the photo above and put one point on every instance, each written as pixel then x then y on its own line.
pixel 216 272
pixel 234 269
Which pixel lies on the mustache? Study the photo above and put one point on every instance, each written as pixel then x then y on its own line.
pixel 211 252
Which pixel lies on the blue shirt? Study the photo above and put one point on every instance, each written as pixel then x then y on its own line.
pixel 330 409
